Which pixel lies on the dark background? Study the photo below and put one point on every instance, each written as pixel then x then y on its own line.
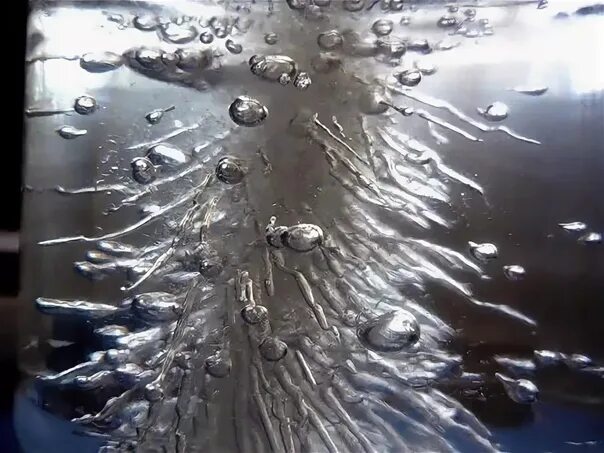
pixel 10 217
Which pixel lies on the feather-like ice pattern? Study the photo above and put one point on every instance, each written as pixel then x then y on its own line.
pixel 255 319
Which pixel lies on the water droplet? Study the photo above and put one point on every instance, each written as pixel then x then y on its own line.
pixel 405 20
pixel 497 111
pixel 178 34
pixel 233 47
pixel 591 238
pixel 248 112
pixel 143 170
pixel 329 40
pixel 447 21
pixel 353 5
pixel 100 61
pixel 70 132
pixel 206 37
pixel 382 27
pixel 470 12
pixel 520 391
pixel 483 252
pixel 84 105
pixel 514 272
pixel 229 170
pixel 575 227
pixel 326 62
pixel 253 314
pixel 169 155
pixel 302 81
pixel 271 39
pixel 517 367
pixel 273 349
pixel 373 99
pixel 392 331
pixel 146 22
pixel 410 77
pixel 219 365
pixel 273 67
pixel 303 237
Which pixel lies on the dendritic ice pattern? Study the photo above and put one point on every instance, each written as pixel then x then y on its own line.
pixel 258 275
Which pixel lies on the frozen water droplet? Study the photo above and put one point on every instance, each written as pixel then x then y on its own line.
pixel 206 37
pixel 229 170
pixel 233 47
pixel 273 67
pixel 530 90
pixel 470 13
pixel 169 155
pixel 410 77
pixel 575 227
pixel 70 132
pixel 153 391
pixel 405 20
pixel 392 331
pixel 483 252
pixel 548 358
pixel 353 5
pixel 100 61
pixel 425 66
pixel 85 105
pixel 253 314
pixel 419 45
pixel 302 81
pixel 326 62
pixel 178 34
pixel 591 238
pixel 148 58
pixel 219 365
pixel 285 79
pixel 447 21
pixel 143 170
pixel 146 22
pixel 271 39
pixel 220 27
pixel 514 272
pixel 520 391
pixel 497 111
pixel 452 8
pixel 373 99
pixel 303 237
pixel 191 60
pixel 578 361
pixel 382 27
pixel 154 116
pixel 273 349
pixel 248 112
pixel 329 40
pixel 516 367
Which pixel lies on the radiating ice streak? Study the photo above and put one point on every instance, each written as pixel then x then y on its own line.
pixel 152 187
pixel 165 256
pixel 163 138
pixel 95 189
pixel 316 121
pixel 454 258
pixel 157 214
pixel 420 147
pixel 446 125
pixel 506 309
pixel 33 112
pixel 444 105
pixel 80 308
